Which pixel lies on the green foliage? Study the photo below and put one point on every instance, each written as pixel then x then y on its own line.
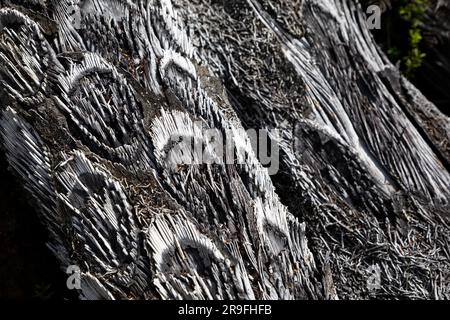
pixel 43 291
pixel 413 11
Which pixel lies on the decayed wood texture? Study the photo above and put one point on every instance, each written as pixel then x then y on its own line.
pixel 87 116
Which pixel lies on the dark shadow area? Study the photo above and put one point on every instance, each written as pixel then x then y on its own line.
pixel 432 76
pixel 28 270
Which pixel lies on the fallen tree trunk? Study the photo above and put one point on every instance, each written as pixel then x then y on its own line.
pixel 92 99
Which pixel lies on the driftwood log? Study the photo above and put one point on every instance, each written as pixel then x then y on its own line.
pixel 92 93
pixel 436 67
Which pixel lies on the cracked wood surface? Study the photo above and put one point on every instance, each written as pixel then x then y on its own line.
pixel 87 116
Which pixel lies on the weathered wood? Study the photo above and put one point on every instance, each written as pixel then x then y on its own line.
pixel 89 109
